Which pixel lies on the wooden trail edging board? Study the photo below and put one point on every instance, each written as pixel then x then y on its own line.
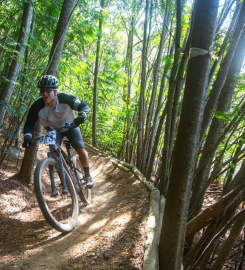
pixel 155 215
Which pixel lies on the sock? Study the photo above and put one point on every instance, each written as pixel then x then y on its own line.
pixel 86 171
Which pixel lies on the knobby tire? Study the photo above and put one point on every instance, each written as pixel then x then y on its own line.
pixel 60 211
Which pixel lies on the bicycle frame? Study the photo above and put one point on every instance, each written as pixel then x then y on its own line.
pixel 64 160
pixel 67 160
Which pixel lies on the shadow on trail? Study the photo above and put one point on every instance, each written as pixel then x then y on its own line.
pixel 109 235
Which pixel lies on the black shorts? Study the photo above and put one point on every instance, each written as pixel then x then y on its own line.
pixel 74 136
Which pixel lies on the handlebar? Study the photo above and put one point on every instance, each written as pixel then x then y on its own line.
pixel 68 126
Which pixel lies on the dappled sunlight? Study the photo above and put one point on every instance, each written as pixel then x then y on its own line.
pixel 99 224
pixel 109 235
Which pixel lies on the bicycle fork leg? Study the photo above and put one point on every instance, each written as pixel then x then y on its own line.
pixel 51 174
pixel 62 176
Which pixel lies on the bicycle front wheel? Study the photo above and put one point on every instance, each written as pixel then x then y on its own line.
pixel 84 193
pixel 60 209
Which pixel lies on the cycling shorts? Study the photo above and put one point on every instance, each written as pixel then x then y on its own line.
pixel 74 136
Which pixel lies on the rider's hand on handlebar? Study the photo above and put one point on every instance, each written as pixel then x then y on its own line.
pixel 79 120
pixel 27 141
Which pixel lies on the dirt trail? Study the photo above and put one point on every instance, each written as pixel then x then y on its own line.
pixel 110 233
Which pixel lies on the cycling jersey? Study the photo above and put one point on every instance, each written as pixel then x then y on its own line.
pixel 63 113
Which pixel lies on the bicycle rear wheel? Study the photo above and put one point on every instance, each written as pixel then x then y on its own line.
pixel 59 209
pixel 85 193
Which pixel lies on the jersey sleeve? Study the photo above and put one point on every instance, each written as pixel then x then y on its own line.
pixel 32 116
pixel 74 103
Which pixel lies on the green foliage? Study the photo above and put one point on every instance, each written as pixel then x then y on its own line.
pixel 76 71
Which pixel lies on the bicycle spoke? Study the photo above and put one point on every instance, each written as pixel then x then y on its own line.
pixel 59 207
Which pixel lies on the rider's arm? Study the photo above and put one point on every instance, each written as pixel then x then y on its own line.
pixel 32 116
pixel 74 103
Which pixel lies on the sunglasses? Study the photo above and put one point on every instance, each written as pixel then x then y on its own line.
pixel 47 90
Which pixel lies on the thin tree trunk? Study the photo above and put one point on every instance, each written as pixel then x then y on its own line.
pixel 179 87
pixel 195 256
pixel 142 90
pixel 225 42
pixel 209 215
pixel 150 128
pixel 218 235
pixel 157 69
pixel 212 103
pixel 225 11
pixel 154 150
pixel 229 243
pixel 175 216
pixel 233 164
pixel 164 174
pixel 16 62
pixel 156 130
pixel 59 37
pixel 27 59
pixel 129 73
pixel 96 77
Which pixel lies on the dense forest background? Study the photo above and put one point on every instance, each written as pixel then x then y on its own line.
pixel 164 81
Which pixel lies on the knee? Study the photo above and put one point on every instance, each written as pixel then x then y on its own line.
pixel 82 151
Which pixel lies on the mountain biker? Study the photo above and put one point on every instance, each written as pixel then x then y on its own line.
pixel 55 109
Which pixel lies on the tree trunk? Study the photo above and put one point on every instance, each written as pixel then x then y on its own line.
pixel 52 69
pixel 234 163
pixel 59 38
pixel 212 103
pixel 96 76
pixel 17 59
pixel 156 128
pixel 28 162
pixel 210 214
pixel 142 90
pixel 129 73
pixel 223 15
pixel 179 87
pixel 199 183
pixel 225 42
pixel 175 215
pixel 154 150
pixel 156 79
pixel 164 174
pixel 229 243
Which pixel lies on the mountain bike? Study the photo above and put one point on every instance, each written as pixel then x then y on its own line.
pixel 57 180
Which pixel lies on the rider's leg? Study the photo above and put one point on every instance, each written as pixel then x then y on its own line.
pixel 75 137
pixel 83 157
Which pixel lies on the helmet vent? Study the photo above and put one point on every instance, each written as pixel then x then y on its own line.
pixel 48 81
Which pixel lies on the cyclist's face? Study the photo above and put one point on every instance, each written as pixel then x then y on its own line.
pixel 48 95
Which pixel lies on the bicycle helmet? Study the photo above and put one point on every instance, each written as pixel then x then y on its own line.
pixel 48 81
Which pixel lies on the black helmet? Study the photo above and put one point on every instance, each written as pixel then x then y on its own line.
pixel 48 81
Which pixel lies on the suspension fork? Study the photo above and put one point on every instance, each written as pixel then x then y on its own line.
pixel 61 167
pixel 51 174
pixel 61 172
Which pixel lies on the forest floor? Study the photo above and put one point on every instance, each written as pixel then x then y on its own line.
pixel 110 233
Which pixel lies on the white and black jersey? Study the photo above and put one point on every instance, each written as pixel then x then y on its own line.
pixel 63 113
